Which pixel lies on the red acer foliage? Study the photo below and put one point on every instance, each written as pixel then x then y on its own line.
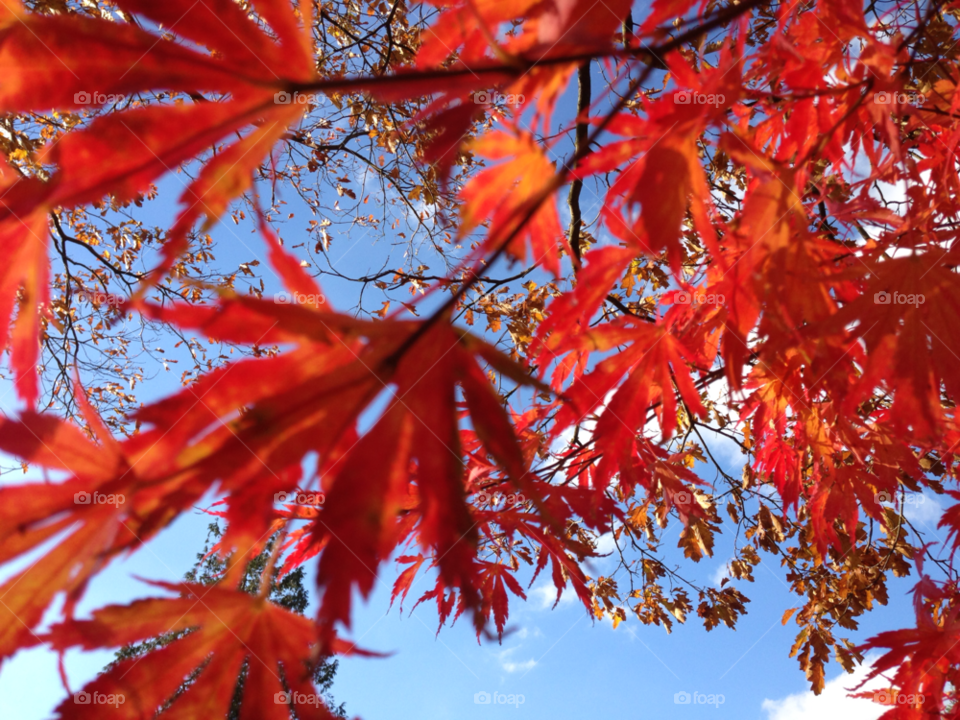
pixel 741 272
pixel 227 626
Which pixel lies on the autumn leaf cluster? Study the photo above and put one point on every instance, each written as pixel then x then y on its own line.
pixel 769 262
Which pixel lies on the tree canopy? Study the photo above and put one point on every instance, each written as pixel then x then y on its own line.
pixel 599 240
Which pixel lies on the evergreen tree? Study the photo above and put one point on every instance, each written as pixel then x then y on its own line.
pixel 289 592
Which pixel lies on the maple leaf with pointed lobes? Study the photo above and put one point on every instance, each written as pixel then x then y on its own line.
pixel 951 519
pixel 118 496
pixel 403 582
pixel 774 396
pixel 923 660
pixel 358 522
pixel 24 284
pixel 562 565
pixel 654 361
pixel 226 627
pixel 339 368
pixel 368 485
pixel 660 183
pixel 33 513
pixel 492 580
pixel 663 10
pixel 466 25
pixel 571 312
pixel 907 317
pixel 495 579
pixel 111 504
pixel 549 28
pixel 517 197
pixel 667 178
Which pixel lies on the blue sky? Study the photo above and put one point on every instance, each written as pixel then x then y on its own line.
pixel 560 661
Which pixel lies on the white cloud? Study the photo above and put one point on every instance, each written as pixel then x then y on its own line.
pixel 722 571
pixel 833 703
pixel 510 665
pixel 517 666
pixel 545 595
pixel 923 509
pixel 606 544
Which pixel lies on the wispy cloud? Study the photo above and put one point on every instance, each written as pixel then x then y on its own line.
pixel 511 665
pixel 833 703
